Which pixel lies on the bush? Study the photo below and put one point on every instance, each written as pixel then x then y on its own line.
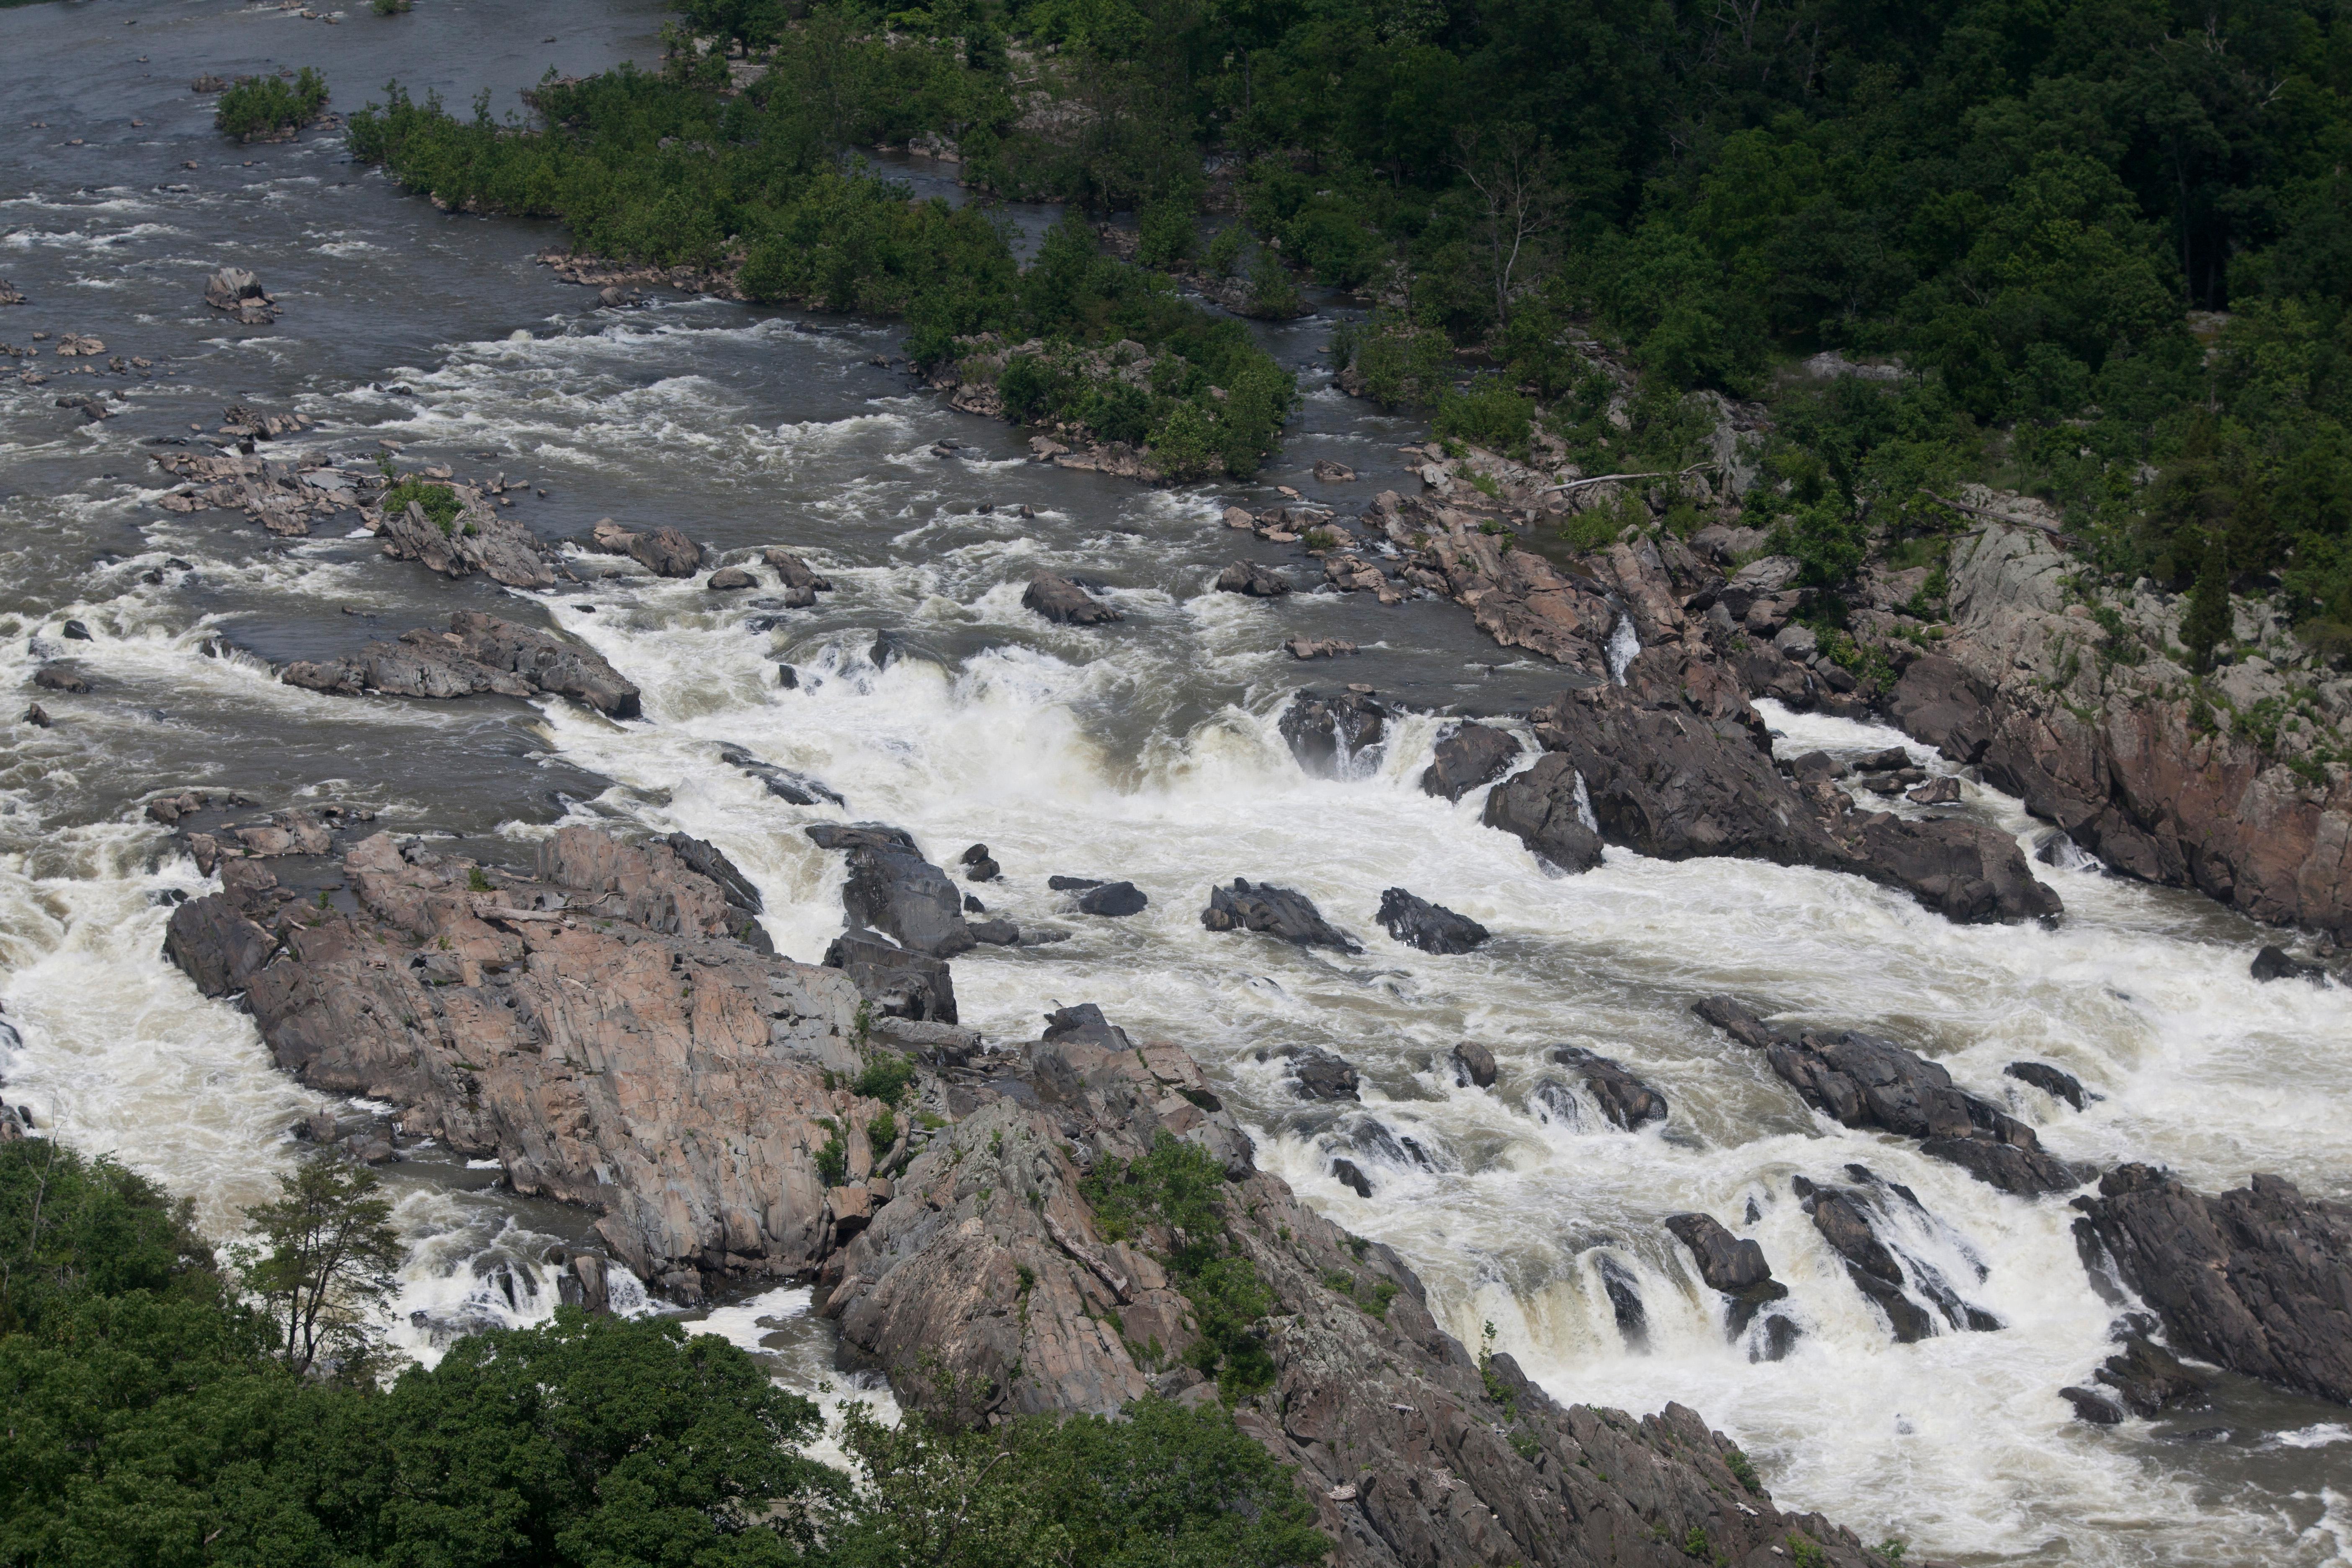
pixel 1490 415
pixel 885 1079
pixel 256 105
pixel 440 503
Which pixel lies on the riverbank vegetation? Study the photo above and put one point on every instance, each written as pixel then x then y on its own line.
pixel 164 1412
pixel 265 105
pixel 2098 250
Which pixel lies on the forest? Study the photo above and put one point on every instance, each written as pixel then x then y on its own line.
pixel 2098 251
pixel 167 1407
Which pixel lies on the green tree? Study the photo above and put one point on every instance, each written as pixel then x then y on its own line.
pixel 2206 623
pixel 327 1260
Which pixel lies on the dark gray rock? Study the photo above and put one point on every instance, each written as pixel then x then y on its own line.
pixel 784 784
pixel 2150 1379
pixel 797 575
pixel 1063 601
pixel 899 892
pixel 1113 898
pixel 1317 1074
pixel 995 932
pixel 1257 582
pixel 728 579
pixel 1540 807
pixel 1433 928
pixel 1467 756
pixel 477 654
pixel 1816 767
pixel 1870 1265
pixel 2274 962
pixel 1352 1176
pixel 58 678
pixel 2092 1406
pixel 708 858
pixel 1864 1081
pixel 1727 1263
pixel 1474 1065
pixel 1328 731
pixel 77 632
pixel 2050 1080
pixel 1623 1099
pixel 860 836
pixel 2258 1280
pixel 898 983
pixel 1276 911
pixel 1736 1019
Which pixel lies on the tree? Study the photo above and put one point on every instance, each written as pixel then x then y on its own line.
pixel 1510 168
pixel 330 1258
pixel 2207 623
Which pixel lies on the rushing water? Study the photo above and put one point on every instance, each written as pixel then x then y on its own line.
pixel 1144 750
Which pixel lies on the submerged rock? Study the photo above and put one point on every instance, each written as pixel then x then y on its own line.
pixel 2273 963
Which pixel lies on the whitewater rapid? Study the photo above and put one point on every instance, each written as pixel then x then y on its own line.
pixel 1145 751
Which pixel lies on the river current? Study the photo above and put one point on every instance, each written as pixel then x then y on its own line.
pixel 1145 750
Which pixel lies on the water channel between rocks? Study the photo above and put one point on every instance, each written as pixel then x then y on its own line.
pixel 1143 750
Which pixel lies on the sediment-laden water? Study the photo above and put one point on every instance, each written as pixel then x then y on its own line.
pixel 1145 751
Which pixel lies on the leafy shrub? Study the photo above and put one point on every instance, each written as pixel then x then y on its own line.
pixel 440 503
pixel 1490 415
pixel 833 1161
pixel 258 104
pixel 887 1078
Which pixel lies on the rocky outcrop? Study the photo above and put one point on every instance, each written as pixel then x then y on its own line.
pixel 2056 1082
pixel 1674 763
pixel 596 1027
pixel 2259 1279
pixel 896 982
pixel 1727 1263
pixel 2142 1378
pixel 893 889
pixel 1329 731
pixel 2091 724
pixel 239 295
pixel 1249 578
pixel 1276 911
pixel 1467 756
pixel 1546 808
pixel 1861 1080
pixel 1065 602
pixel 1881 1267
pixel 477 654
pixel 1515 597
pixel 1433 928
pixel 482 540
pixel 1622 1098
pixel 664 551
pixel 992 1267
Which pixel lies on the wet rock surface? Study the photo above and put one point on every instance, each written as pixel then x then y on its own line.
pixel 1062 600
pixel 1276 912
pixel 1328 731
pixel 477 654
pixel 1622 1098
pixel 664 551
pixel 1467 756
pixel 1861 1080
pixel 1249 578
pixel 1729 1264
pixel 2258 1280
pixel 1433 928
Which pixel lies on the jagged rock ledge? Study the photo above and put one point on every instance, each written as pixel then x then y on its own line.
pixel 601 1028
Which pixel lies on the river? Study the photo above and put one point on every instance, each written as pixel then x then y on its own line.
pixel 1145 750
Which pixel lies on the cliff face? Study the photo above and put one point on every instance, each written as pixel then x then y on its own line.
pixel 2100 731
pixel 596 1029
pixel 599 1030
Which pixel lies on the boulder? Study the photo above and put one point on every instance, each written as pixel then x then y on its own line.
pixel 1317 1074
pixel 2052 1081
pixel 1474 1065
pixel 58 678
pixel 1546 808
pixel 664 551
pixel 1319 648
pixel 1872 1267
pixel 1467 756
pixel 797 575
pixel 1113 898
pixel 727 579
pixel 784 784
pixel 1061 600
pixel 239 293
pixel 897 982
pixel 2147 1378
pixel 1433 928
pixel 1736 1019
pixel 2274 962
pixel 1352 1176
pixel 1727 1263
pixel 1276 911
pixel 2093 1407
pixel 1257 582
pixel 2258 1280
pixel 483 539
pixel 1331 473
pixel 1622 1098
pixel 1327 732
pixel 898 892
